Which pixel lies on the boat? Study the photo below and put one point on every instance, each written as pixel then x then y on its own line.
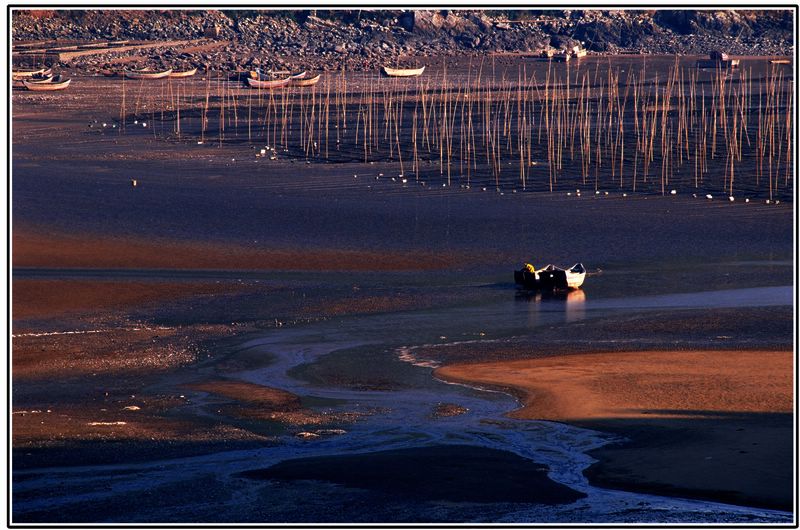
pixel 311 81
pixel 48 87
pixel 780 61
pixel 48 79
pixel 255 83
pixel 578 52
pixel 550 277
pixel 25 74
pixel 717 59
pixel 403 72
pixel 147 74
pixel 269 75
pixel 108 73
pixel 187 73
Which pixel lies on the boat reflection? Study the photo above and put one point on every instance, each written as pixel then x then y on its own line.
pixel 572 303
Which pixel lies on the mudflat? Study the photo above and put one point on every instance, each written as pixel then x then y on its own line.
pixel 710 424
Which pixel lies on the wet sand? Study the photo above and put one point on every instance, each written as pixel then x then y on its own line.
pixel 64 250
pixel 704 424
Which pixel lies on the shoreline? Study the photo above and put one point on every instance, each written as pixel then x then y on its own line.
pixel 677 448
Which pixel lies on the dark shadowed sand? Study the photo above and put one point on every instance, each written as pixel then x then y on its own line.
pixel 455 473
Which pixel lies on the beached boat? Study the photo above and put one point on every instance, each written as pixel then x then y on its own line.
pixel 46 79
pixel 311 81
pixel 780 61
pixel 18 75
pixel 403 72
pixel 269 75
pixel 550 277
pixel 46 87
pixel 187 73
pixel 147 74
pixel 255 83
pixel 717 59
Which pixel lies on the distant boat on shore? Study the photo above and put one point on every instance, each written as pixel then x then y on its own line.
pixel 311 81
pixel 268 85
pixel 45 86
pixel 47 79
pixel 269 75
pixel 717 59
pixel 147 74
pixel 403 72
pixel 187 73
pixel 19 75
pixel 550 277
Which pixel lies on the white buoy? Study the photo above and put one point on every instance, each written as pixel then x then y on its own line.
pixel 709 196
pixel 673 192
pixel 747 200
pixel 731 198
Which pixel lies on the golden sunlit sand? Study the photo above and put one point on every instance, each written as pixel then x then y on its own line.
pixel 625 385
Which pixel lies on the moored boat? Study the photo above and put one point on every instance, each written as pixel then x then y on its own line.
pixel 403 72
pixel 718 59
pixel 255 83
pixel 18 75
pixel 147 74
pixel 311 81
pixel 550 277
pixel 46 87
pixel 186 73
pixel 269 75
pixel 48 79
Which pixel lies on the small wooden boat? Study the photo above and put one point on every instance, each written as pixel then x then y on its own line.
pixel 48 79
pixel 147 74
pixel 269 75
pixel 25 74
pixel 717 59
pixel 550 277
pixel 268 85
pixel 46 87
pixel 403 72
pixel 311 81
pixel 187 73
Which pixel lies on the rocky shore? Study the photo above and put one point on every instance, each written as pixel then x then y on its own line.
pixel 365 39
